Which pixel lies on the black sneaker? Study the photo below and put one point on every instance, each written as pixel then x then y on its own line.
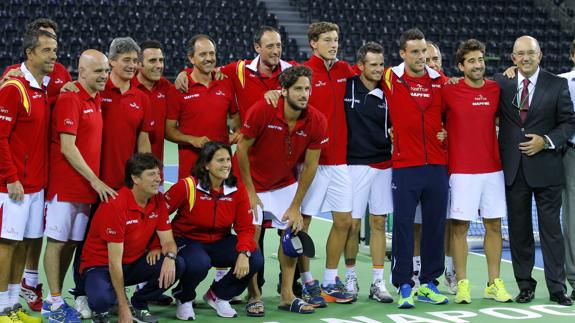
pixel 100 317
pixel 143 316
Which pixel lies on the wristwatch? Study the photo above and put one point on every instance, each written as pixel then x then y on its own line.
pixel 547 144
pixel 171 255
pixel 246 253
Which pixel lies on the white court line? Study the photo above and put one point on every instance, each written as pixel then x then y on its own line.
pixel 504 260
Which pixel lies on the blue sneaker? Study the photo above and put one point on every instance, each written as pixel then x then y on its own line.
pixel 336 293
pixel 406 294
pixel 311 293
pixel 430 294
pixel 46 308
pixel 64 314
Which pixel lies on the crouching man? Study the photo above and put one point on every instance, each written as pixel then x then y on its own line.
pixel 114 252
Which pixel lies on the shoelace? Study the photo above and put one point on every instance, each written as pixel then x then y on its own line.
pixel 13 316
pixel 312 290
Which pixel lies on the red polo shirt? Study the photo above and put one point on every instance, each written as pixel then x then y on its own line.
pixel 122 220
pixel 58 77
pixel 249 84
pixel 24 123
pixel 80 115
pixel 471 112
pixel 125 116
pixel 201 111
pixel 328 92
pixel 159 104
pixel 277 151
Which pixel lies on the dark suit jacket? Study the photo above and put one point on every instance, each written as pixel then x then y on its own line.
pixel 550 113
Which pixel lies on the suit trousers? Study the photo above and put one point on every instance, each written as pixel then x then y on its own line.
pixel 569 214
pixel 548 201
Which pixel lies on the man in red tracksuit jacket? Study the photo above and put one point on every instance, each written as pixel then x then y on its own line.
pixel 330 190
pixel 413 93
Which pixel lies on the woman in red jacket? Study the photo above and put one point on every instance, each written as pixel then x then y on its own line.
pixel 209 204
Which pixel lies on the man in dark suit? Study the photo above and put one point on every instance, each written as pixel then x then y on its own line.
pixel 536 120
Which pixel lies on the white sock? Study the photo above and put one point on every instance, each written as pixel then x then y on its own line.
pixel 13 294
pixel 56 301
pixel 141 285
pixel 377 272
pixel 31 277
pixel 220 273
pixel 4 300
pixel 329 277
pixel 350 271
pixel 417 263
pixel 449 265
pixel 306 277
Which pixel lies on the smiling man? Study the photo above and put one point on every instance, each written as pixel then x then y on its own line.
pixel 74 169
pixel 127 120
pixel 24 124
pixel 150 80
pixel 536 120
pixel 476 177
pixel 413 92
pixel 369 163
pixel 200 114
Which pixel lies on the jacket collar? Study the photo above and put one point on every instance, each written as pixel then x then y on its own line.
pixel 399 70
pixel 30 78
pixel 253 66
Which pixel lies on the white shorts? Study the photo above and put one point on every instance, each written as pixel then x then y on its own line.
pixel 371 186
pixel 66 221
pixel 276 203
pixel 473 192
pixel 329 191
pixel 23 219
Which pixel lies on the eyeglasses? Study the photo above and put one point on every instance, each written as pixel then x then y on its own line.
pixel 530 54
pixel 520 104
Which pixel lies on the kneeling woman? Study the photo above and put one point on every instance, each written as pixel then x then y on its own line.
pixel 209 204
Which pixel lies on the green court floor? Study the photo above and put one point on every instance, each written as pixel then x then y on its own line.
pixel 364 310
pixel 540 310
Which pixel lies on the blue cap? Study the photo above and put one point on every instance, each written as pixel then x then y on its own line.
pixel 297 245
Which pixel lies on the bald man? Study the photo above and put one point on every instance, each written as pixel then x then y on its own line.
pixel 535 121
pixel 74 182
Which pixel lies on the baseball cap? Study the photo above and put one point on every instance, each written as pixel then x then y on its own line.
pixel 297 245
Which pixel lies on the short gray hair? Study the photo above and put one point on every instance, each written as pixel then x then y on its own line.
pixel 122 45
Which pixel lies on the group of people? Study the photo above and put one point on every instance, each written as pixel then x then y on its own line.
pixel 321 136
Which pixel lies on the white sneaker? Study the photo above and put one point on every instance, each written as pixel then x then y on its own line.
pixel 379 293
pixel 81 305
pixel 451 283
pixel 185 311
pixel 351 286
pixel 222 307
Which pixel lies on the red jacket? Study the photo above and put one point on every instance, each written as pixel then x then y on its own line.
pixel 415 130
pixel 209 216
pixel 58 78
pixel 327 95
pixel 24 124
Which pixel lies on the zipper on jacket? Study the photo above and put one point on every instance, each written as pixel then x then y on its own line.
pixel 216 198
pixel 25 163
pixel 334 108
pixel 423 131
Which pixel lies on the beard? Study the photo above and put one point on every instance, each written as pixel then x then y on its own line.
pixel 294 104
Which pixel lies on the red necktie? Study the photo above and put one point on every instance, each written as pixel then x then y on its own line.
pixel 524 103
